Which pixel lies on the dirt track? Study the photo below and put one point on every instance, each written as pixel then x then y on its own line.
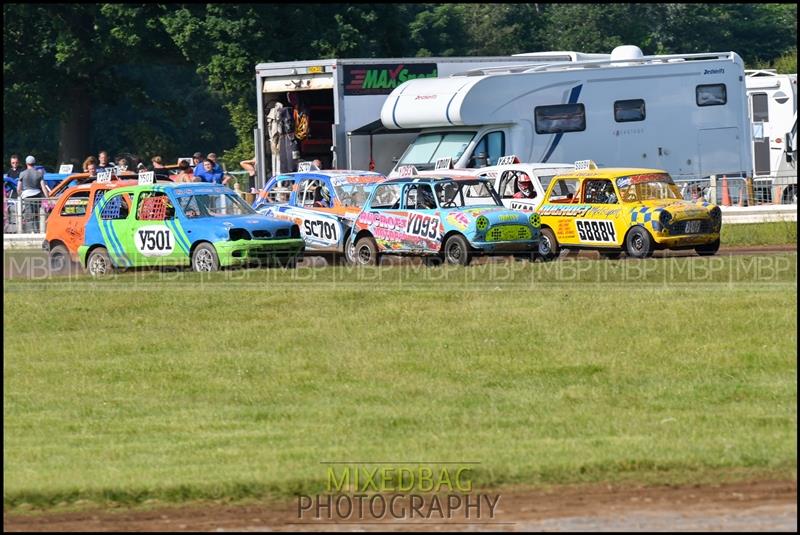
pixel 748 506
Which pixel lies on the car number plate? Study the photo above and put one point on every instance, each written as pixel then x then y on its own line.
pixel 692 227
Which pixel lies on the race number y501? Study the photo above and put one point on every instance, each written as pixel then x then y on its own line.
pixel 154 240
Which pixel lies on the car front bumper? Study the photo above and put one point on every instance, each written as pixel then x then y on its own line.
pixel 241 252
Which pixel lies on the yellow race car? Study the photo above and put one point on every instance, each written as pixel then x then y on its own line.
pixel 619 209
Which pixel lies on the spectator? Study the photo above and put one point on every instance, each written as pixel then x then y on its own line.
pixel 186 173
pixel 317 163
pixel 122 164
pixel 102 161
pixel 208 174
pixel 197 162
pixel 213 157
pixel 250 167
pixel 156 160
pixel 87 161
pixel 31 189
pixel 15 168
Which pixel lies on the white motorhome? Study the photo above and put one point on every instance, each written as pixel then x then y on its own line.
pixel 686 113
pixel 773 108
pixel 343 98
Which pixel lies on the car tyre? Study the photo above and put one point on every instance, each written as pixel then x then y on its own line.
pixel 639 243
pixel 205 259
pixel 456 251
pixel 59 261
pixel 708 249
pixel 99 263
pixel 365 252
pixel 548 245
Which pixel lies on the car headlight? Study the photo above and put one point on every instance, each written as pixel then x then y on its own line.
pixel 482 223
pixel 535 220
pixel 664 218
pixel 716 216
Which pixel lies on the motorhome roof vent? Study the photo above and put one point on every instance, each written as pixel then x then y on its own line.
pixel 626 52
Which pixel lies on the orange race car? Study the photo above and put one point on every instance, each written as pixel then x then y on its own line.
pixel 65 225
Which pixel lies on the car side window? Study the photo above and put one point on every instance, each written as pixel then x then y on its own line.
pixel 387 196
pixel 154 206
pixel 116 207
pixel 281 191
pixel 419 197
pixel 308 192
pixel 76 204
pixel 564 190
pixel 599 192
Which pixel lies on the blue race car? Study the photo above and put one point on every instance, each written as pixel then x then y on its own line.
pixel 202 225
pixel 446 218
pixel 323 204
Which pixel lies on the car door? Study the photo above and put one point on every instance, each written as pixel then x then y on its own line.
pixel 423 229
pixel 601 225
pixel 311 208
pixel 147 235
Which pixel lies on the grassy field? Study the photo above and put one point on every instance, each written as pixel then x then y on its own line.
pixel 178 386
pixel 776 233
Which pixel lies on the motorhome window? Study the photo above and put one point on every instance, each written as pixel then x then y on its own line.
pixel 564 190
pixel 560 118
pixel 387 196
pixel 456 194
pixel 419 197
pixel 711 95
pixel 488 150
pixel 760 107
pixel 629 110
pixel 428 148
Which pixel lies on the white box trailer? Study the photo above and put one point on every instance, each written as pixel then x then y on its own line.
pixel 683 113
pixel 343 98
pixel 773 110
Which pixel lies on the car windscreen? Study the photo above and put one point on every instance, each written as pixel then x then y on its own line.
pixel 213 205
pixel 647 187
pixel 428 148
pixel 460 193
pixel 354 194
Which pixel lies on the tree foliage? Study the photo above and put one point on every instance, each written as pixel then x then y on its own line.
pixel 177 78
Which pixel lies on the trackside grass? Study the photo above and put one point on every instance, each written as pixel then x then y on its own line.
pixel 179 386
pixel 744 234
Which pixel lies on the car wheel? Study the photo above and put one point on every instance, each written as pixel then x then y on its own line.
pixel 99 263
pixel 639 244
pixel 709 249
pixel 59 261
pixel 548 245
pixel 456 251
pixel 611 255
pixel 204 258
pixel 365 252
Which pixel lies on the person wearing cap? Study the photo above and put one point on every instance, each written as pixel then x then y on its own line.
pixel 197 161
pixel 31 187
pixel 526 190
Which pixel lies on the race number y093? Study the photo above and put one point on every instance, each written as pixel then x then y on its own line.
pixel 593 230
